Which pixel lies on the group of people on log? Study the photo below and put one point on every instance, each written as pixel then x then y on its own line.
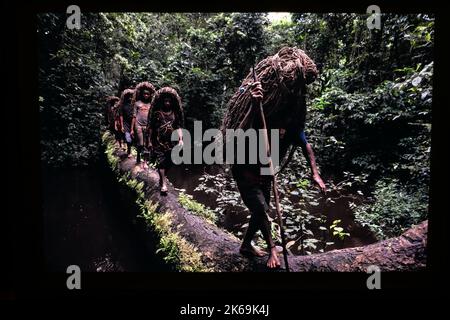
pixel 146 117
pixel 149 117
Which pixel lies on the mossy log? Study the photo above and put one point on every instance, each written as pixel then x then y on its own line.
pixel 196 244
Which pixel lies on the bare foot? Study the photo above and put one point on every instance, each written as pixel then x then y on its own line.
pixel 251 250
pixel 164 188
pixel 273 261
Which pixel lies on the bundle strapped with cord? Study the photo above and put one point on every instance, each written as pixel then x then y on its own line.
pixel 281 75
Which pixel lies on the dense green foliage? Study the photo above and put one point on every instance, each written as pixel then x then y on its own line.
pixel 369 117
pixel 395 208
pixel 204 56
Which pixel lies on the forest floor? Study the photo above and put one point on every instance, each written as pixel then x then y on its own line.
pixel 187 178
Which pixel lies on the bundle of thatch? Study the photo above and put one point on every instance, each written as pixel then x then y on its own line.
pixel 140 89
pixel 282 76
pixel 126 95
pixel 171 93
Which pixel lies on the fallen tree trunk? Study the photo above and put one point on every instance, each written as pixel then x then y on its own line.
pixel 193 243
pixel 404 253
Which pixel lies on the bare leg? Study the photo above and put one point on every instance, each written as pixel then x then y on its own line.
pixel 255 198
pixel 162 179
pixel 273 261
pixel 247 247
pixel 129 149
pixel 138 156
pixel 144 158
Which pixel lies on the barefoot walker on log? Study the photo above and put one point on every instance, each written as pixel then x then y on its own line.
pixel 280 86
pixel 111 117
pixel 166 116
pixel 142 98
pixel 127 115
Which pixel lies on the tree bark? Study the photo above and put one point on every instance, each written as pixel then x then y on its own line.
pixel 220 249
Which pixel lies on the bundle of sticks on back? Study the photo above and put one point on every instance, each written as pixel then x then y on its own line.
pixel 281 75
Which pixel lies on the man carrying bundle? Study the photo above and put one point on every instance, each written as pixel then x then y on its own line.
pixel 281 87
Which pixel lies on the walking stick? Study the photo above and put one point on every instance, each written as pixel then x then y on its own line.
pixel 274 179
